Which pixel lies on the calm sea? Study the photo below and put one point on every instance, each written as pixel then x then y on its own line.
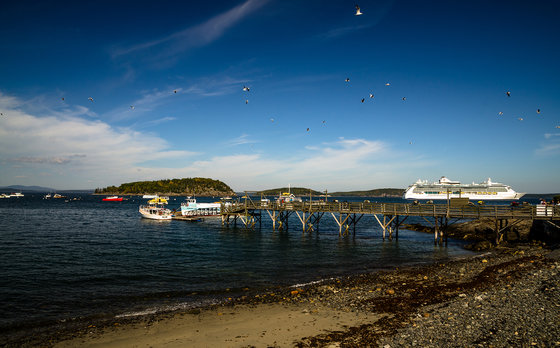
pixel 88 259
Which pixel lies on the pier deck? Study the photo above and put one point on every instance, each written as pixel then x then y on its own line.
pixel 388 215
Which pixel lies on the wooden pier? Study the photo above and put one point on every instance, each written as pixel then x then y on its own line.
pixel 388 215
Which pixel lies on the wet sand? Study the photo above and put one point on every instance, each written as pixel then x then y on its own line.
pixel 240 326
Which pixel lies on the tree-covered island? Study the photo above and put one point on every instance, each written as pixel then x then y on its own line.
pixel 171 187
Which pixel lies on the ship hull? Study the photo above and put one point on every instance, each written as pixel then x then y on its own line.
pixel 472 197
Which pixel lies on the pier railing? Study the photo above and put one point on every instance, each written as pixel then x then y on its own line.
pixel 544 212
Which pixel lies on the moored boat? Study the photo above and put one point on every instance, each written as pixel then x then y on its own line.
pixel 445 189
pixel 287 197
pixel 156 210
pixel 112 199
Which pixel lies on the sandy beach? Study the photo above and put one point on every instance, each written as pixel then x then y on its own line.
pixel 501 298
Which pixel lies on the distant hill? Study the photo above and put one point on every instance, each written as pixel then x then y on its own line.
pixel 302 191
pixel 177 187
pixel 298 191
pixel 384 192
pixel 23 188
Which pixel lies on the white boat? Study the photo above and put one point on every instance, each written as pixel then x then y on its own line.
pixel 191 208
pixel 156 210
pixel 287 197
pixel 445 188
pixel 17 194
pixel 149 196
pixel 3 195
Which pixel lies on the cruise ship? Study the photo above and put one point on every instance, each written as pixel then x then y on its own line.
pixel 446 188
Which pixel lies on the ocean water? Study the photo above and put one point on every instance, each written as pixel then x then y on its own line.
pixel 90 259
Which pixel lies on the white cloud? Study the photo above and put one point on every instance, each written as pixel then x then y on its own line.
pixel 73 149
pixel 67 152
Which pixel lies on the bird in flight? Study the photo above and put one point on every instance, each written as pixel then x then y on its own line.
pixel 347 79
pixel 63 98
pixel 358 12
pixel 538 111
pixel 246 89
pixel 520 118
pixel 174 91
pixel 558 127
pixel 403 98
pixel 371 95
pixel 508 93
pixel 308 129
pixel 324 122
pixel 387 84
pixel 90 99
pixel 132 107
pixel 271 120
pixel 363 99
pixel 246 101
pixel 500 113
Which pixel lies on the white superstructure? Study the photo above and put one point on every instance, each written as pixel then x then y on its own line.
pixel 191 208
pixel 445 188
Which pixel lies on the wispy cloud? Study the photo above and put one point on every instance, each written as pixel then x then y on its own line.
pixel 241 140
pixel 196 36
pixel 49 160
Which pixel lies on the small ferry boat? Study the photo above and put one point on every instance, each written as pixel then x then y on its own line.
pixel 287 197
pixel 3 195
pixel 156 210
pixel 17 194
pixel 113 199
pixel 191 208
pixel 149 196
pixel 445 188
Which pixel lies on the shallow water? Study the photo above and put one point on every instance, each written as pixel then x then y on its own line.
pixel 91 259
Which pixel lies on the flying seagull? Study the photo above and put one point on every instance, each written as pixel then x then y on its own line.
pixel 403 98
pixel 308 129
pixel 363 99
pixel 62 98
pixel 90 99
pixel 174 91
pixel 558 127
pixel 538 111
pixel 246 101
pixel 358 12
pixel 520 118
pixel 324 122
pixel 387 84
pixel 508 93
pixel 246 89
pixel 132 107
pixel 271 120
pixel 500 113
pixel 347 79
pixel 371 95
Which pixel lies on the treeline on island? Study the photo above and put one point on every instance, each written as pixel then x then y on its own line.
pixel 384 192
pixel 298 191
pixel 181 187
pixel 302 191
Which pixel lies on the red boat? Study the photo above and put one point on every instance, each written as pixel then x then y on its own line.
pixel 112 199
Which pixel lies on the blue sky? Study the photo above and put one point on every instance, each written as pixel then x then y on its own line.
pixel 166 79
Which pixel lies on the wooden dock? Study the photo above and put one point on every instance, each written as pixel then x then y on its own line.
pixel 389 215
